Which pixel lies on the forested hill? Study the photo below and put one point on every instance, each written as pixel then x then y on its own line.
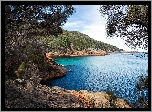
pixel 79 40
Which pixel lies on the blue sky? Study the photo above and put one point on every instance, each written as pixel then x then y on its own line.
pixel 88 20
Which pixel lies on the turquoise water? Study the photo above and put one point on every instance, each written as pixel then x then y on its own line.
pixel 118 72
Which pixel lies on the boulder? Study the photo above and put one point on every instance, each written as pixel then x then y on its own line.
pixel 121 103
pixel 98 100
pixel 102 100
pixel 103 53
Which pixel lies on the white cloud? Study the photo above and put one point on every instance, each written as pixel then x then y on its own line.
pixel 70 24
pixel 88 20
pixel 73 24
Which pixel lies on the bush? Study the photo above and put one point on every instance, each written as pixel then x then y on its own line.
pixel 142 83
pixel 112 99
pixel 141 87
pixel 21 70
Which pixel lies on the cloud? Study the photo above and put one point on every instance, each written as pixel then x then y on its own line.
pixel 95 28
pixel 88 20
pixel 73 24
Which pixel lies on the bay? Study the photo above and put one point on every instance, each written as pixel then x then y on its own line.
pixel 118 72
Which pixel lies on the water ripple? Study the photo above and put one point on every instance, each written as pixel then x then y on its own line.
pixel 116 72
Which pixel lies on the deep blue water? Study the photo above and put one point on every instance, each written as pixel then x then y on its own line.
pixel 118 72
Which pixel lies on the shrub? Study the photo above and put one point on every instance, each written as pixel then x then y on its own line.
pixel 21 70
pixel 112 99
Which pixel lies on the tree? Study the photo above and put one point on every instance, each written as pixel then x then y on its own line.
pixel 129 22
pixel 40 20
pixel 142 88
pixel 23 23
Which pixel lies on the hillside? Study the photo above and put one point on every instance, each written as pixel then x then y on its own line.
pixel 28 68
pixel 79 40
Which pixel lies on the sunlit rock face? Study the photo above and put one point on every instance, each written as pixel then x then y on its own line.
pixel 102 100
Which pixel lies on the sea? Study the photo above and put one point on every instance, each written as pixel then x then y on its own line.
pixel 117 72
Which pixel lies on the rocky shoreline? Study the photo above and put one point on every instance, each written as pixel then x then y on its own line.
pixel 29 92
pixel 57 97
pixel 90 52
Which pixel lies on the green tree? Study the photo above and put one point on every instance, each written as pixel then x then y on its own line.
pixel 129 22
pixel 23 25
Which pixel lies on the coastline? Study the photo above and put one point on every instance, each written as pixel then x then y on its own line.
pixel 29 92
pixel 81 53
pixel 56 97
pixel 75 54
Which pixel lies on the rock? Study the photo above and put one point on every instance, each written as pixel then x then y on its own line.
pixel 120 103
pixel 81 97
pixel 19 80
pixel 53 71
pixel 77 105
pixel 35 95
pixel 102 100
pixel 103 53
pixel 70 70
pixel 29 86
pixel 56 97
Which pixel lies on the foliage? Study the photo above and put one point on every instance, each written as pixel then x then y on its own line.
pixel 79 40
pixel 21 70
pixel 141 87
pixel 142 83
pixel 47 18
pixel 129 22
pixel 40 20
pixel 36 58
pixel 22 29
pixel 113 98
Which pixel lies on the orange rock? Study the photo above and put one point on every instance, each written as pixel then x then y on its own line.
pixel 81 97
pixel 48 56
pixel 103 53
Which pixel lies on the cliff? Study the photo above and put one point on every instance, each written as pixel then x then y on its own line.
pixel 56 97
pixel 28 92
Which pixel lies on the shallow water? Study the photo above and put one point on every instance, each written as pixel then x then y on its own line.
pixel 118 72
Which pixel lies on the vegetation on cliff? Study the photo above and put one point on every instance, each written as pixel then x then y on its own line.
pixel 80 42
pixel 22 29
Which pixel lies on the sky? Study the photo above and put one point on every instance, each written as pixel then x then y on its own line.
pixel 88 20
